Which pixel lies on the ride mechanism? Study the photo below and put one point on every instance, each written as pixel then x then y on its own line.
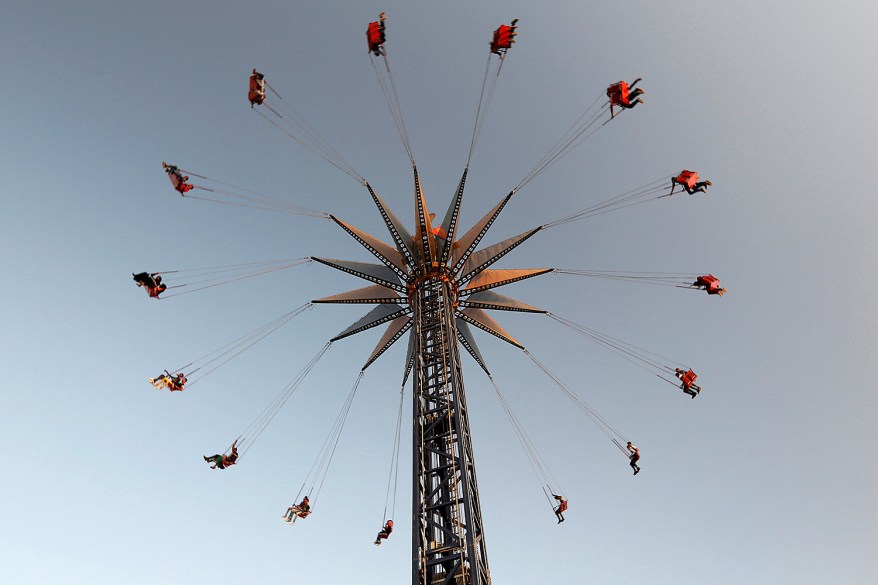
pixel 434 285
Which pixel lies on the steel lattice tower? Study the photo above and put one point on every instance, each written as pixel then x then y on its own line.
pixel 448 535
pixel 433 285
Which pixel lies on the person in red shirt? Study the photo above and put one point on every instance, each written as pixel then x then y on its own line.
pixel 151 282
pixel 709 283
pixel 376 36
pixel 634 457
pixel 562 507
pixel 178 179
pixel 687 382
pixel 385 532
pixel 690 183
pixel 256 94
pixel 624 95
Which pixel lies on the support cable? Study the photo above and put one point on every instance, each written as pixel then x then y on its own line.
pixel 599 421
pixel 295 127
pixel 670 279
pixel 255 429
pixel 224 193
pixel 485 98
pixel 234 348
pixel 391 96
pixel 227 267
pixel 574 135
pixel 320 468
pixel 642 358
pixel 393 474
pixel 289 209
pixel 648 192
pixel 235 274
pixel 311 134
pixel 541 470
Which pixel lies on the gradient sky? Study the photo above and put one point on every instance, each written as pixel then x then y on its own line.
pixel 764 479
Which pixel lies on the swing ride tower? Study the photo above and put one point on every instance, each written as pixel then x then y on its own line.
pixel 433 286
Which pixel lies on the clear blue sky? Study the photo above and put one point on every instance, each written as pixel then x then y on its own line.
pixel 764 479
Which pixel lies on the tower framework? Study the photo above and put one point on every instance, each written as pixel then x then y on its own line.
pixel 448 538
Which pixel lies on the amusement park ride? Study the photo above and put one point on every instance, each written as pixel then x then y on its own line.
pixel 432 287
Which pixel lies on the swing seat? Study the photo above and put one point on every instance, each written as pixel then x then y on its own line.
pixel 504 36
pixel 375 37
pixel 256 93
pixel 619 94
pixel 178 183
pixel 687 179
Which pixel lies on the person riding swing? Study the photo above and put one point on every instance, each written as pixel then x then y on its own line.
pixel 173 382
pixel 300 510
pixel 561 508
pixel 385 532
pixel 634 457
pixel 687 382
pixel 222 461
pixel 152 282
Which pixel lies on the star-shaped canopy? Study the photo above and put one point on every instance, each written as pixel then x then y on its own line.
pixel 433 249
